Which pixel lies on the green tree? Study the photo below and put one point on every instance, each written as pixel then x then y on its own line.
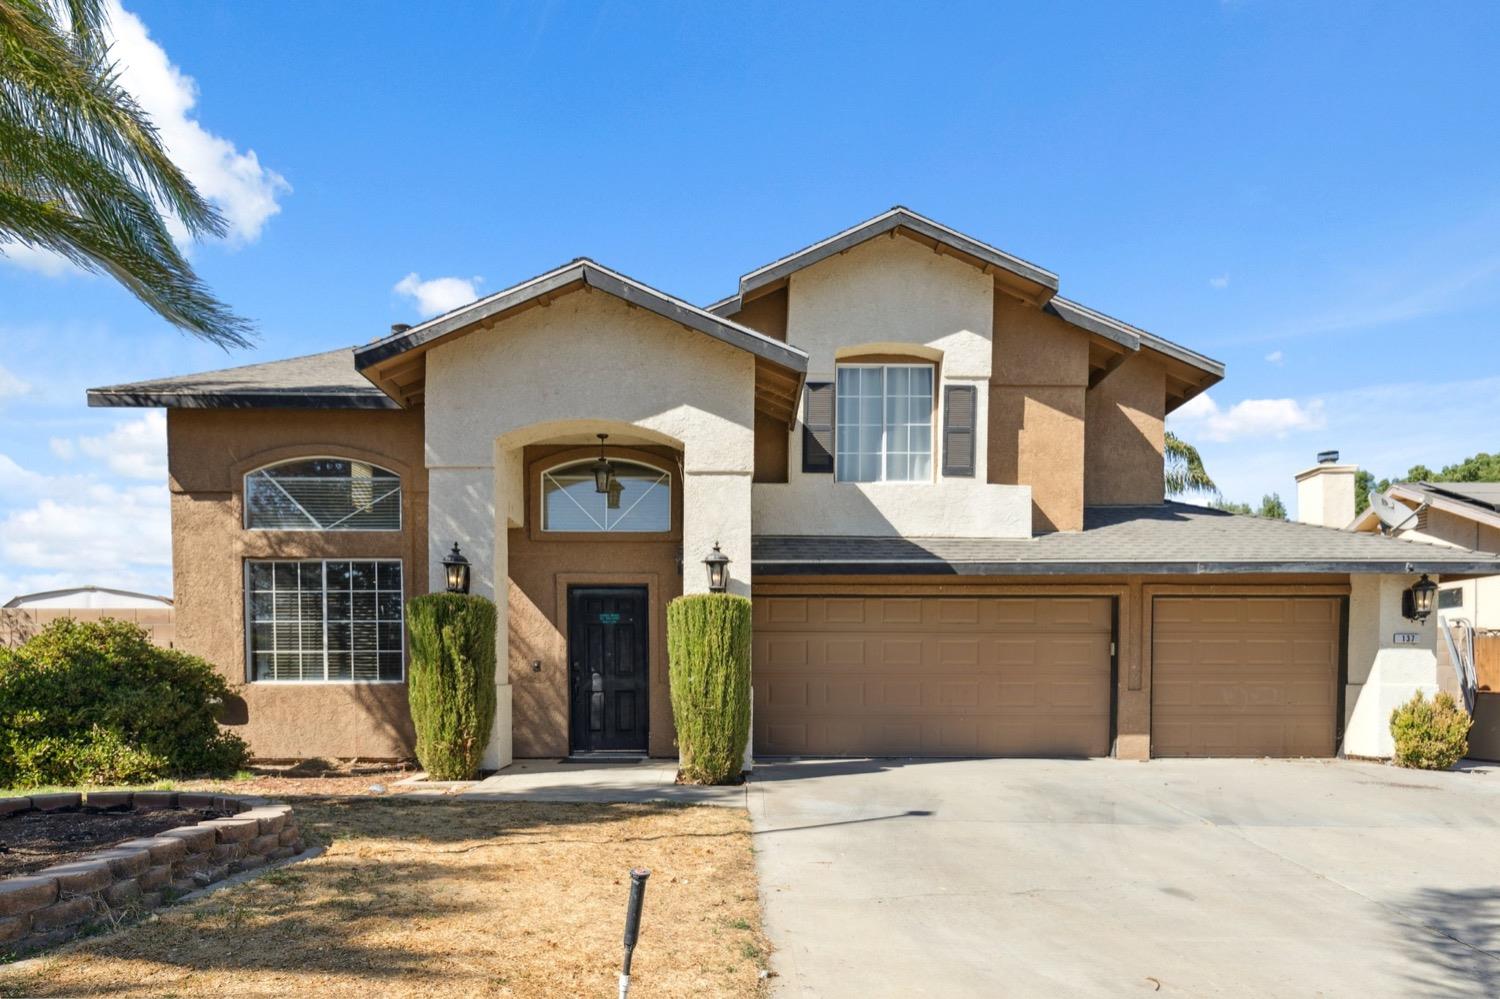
pixel 1482 467
pixel 1364 483
pixel 83 172
pixel 1184 469
pixel 1271 507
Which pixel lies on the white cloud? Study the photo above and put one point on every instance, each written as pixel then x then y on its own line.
pixel 136 449
pixel 1202 419
pixel 1275 357
pixel 11 385
pixel 62 447
pixel 245 192
pixel 43 262
pixel 80 529
pixel 104 529
pixel 438 295
pixel 1220 282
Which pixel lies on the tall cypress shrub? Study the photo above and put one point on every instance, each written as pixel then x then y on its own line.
pixel 452 681
pixel 708 651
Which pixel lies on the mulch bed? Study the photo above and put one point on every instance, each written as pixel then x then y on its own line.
pixel 34 840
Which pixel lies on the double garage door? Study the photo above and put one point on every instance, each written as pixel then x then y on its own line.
pixel 1032 676
pixel 932 676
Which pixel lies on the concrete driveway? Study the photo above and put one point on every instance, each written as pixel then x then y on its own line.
pixel 1107 878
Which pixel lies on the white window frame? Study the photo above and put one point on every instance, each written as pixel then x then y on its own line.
pixel 884 451
pixel 249 619
pixel 400 506
pixel 664 476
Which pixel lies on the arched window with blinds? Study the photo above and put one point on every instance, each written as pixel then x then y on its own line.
pixel 323 494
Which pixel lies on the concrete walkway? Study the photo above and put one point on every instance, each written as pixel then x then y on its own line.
pixel 551 780
pixel 1106 878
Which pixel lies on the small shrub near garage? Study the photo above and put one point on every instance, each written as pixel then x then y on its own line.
pixel 97 703
pixel 708 649
pixel 1430 735
pixel 451 684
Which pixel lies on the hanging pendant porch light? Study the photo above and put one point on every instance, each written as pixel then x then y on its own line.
pixel 604 472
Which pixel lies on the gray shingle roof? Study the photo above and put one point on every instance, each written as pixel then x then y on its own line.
pixel 1171 538
pixel 315 381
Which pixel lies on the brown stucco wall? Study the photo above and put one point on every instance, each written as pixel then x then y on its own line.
pixel 1133 595
pixel 772 444
pixel 1038 379
pixel 766 314
pixel 209 452
pixel 1125 419
pixel 541 570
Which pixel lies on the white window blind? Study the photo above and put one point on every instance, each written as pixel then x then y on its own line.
pixel 325 620
pixel 323 494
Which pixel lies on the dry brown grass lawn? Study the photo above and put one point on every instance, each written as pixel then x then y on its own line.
pixel 438 898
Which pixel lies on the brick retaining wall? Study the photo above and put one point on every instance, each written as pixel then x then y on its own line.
pixel 58 903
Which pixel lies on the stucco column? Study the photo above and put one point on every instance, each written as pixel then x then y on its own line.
pixel 716 510
pixel 1383 674
pixel 461 508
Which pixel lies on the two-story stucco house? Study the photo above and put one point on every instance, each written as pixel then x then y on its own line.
pixel 939 481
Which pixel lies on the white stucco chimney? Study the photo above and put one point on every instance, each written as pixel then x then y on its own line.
pixel 1325 492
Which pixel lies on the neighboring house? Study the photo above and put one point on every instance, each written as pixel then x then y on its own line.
pixel 940 481
pixel 25 615
pixel 1458 515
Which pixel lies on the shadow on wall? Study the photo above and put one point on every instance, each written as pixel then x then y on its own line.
pixel 389 714
pixel 1459 954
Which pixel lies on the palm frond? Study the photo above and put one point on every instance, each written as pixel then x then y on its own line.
pixel 83 171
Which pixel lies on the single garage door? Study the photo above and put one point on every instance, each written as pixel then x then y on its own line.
pixel 1244 676
pixel 932 676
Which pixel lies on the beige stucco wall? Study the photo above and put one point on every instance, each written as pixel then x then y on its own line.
pixel 1481 597
pixel 209 452
pixel 586 363
pixel 1036 411
pixel 894 296
pixel 1124 435
pixel 1382 673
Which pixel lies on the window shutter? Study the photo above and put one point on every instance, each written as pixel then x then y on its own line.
pixel 817 428
pixel 958 430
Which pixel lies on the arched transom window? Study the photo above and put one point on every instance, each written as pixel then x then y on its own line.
pixel 639 501
pixel 323 494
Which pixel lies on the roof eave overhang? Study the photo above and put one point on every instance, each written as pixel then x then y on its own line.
pixel 377 360
pixel 1021 278
pixel 919 567
pixel 138 398
pixel 1447 502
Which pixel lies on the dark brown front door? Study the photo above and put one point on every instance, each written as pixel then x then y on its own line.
pixel 609 665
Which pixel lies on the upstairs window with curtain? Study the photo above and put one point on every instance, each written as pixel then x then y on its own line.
pixel 884 423
pixel 323 494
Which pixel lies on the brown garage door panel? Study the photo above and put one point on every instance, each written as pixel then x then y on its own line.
pixel 1244 676
pixel 932 676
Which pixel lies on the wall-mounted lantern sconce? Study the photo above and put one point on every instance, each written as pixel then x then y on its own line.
pixel 718 570
pixel 604 472
pixel 458 571
pixel 1416 602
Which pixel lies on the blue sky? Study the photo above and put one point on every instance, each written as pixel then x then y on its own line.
pixel 1306 191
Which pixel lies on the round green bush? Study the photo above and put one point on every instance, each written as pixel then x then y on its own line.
pixel 1430 735
pixel 708 658
pixel 451 686
pixel 96 703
